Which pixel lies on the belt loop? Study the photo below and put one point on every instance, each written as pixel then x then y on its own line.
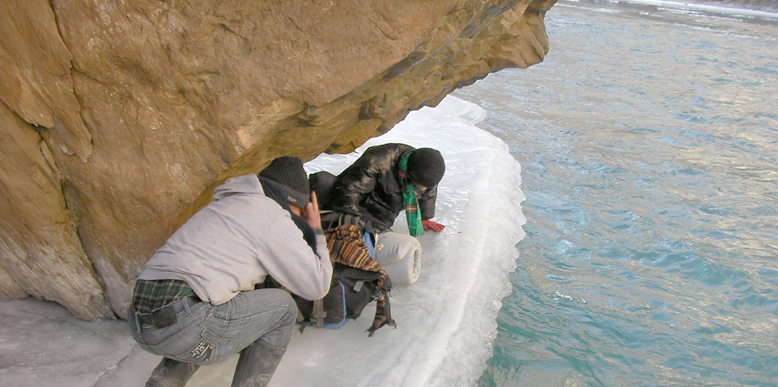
pixel 137 321
pixel 186 307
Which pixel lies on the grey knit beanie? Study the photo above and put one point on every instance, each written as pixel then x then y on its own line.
pixel 287 176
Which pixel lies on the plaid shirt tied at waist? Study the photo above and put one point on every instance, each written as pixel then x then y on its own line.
pixel 150 295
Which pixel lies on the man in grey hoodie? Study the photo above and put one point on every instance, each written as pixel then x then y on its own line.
pixel 195 301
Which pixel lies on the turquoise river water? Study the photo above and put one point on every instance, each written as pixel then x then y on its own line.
pixel 648 140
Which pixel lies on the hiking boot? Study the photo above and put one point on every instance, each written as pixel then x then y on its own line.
pixel 171 373
pixel 256 365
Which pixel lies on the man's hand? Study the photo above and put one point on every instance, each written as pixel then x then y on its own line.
pixel 432 226
pixel 312 215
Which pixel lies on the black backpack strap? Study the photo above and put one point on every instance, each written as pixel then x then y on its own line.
pixel 319 314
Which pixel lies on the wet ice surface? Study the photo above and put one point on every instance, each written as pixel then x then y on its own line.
pixel 445 321
pixel 42 344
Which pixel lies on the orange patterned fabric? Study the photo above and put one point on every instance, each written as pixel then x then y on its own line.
pixel 347 248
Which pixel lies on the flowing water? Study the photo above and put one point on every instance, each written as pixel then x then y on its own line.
pixel 648 140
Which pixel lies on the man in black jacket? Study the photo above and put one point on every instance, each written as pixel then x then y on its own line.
pixel 387 179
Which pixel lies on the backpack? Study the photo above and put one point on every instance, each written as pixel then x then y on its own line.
pixel 357 280
pixel 352 289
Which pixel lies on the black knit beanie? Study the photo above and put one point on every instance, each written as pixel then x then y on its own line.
pixel 426 167
pixel 287 176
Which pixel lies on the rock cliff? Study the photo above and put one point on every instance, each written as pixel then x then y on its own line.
pixel 118 117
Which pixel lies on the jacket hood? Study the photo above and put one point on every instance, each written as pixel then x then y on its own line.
pixel 246 184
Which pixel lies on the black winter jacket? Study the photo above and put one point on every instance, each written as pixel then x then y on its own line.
pixel 370 186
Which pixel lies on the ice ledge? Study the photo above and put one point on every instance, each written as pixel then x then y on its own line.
pixel 446 320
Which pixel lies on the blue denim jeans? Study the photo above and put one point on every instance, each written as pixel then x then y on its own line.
pixel 209 334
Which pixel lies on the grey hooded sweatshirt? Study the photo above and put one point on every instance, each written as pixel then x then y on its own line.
pixel 235 242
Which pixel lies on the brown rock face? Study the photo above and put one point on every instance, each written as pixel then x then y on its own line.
pixel 118 117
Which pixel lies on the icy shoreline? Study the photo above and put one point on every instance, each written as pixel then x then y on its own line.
pixel 446 321
pixel 758 9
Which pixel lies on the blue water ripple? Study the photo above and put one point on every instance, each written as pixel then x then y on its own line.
pixel 649 146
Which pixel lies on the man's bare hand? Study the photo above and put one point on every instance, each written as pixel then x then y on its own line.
pixel 432 226
pixel 312 215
